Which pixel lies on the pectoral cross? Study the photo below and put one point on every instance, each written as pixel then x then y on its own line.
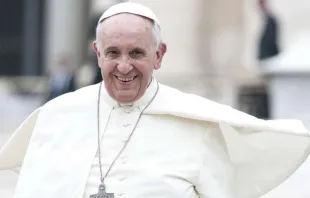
pixel 102 193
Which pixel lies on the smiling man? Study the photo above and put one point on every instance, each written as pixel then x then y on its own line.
pixel 133 137
pixel 128 48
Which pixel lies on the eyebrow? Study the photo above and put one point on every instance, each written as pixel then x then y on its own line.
pixel 110 48
pixel 116 48
pixel 139 49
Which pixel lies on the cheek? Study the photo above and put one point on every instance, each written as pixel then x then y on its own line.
pixel 107 67
pixel 145 68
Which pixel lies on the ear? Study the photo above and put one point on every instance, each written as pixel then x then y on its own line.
pixel 159 55
pixel 96 49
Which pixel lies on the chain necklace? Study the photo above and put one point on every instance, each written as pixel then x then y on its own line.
pixel 101 190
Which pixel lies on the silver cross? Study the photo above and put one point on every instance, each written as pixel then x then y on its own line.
pixel 102 193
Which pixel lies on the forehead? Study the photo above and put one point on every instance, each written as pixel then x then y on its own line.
pixel 126 27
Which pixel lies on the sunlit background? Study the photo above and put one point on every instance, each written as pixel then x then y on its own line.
pixel 251 54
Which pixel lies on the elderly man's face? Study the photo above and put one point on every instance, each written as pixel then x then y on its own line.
pixel 127 56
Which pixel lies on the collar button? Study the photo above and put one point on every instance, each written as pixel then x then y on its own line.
pixel 127 110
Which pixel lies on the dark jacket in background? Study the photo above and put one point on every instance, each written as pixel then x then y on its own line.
pixel 268 44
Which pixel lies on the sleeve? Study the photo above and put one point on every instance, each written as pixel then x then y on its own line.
pixel 216 178
pixel 13 151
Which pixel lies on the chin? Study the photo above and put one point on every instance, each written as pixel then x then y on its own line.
pixel 126 97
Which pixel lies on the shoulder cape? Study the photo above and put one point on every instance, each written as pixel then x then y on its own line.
pixel 263 153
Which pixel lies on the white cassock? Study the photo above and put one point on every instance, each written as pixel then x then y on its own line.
pixel 184 146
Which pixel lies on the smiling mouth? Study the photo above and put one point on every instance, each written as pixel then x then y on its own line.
pixel 125 79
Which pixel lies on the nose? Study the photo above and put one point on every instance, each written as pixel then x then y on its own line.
pixel 124 66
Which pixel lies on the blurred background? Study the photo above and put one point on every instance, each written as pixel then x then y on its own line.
pixel 250 54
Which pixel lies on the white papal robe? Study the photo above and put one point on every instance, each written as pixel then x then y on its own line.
pixel 184 146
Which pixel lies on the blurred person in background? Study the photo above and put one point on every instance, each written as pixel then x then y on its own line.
pixel 268 42
pixel 130 136
pixel 62 79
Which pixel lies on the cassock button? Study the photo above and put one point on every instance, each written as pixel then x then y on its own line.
pixel 126 125
pixel 122 178
pixel 128 110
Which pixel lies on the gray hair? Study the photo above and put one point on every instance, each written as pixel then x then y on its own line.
pixel 155 31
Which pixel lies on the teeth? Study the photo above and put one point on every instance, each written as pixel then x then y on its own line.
pixel 125 79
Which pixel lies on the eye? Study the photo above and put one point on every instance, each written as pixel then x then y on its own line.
pixel 112 54
pixel 136 54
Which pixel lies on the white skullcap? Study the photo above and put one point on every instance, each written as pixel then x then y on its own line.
pixel 129 7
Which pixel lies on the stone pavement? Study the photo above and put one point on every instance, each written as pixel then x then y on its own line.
pixel 14 109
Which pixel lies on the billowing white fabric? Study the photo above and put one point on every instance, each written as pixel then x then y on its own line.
pixel 184 146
